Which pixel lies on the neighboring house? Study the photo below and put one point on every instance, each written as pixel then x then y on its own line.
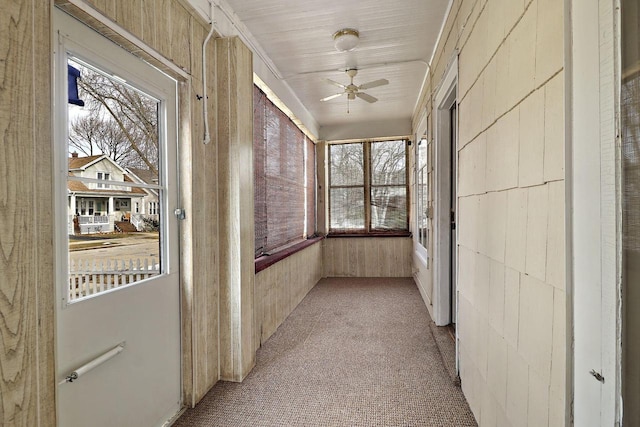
pixel 149 205
pixel 95 207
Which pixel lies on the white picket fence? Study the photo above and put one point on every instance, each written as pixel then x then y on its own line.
pixel 89 277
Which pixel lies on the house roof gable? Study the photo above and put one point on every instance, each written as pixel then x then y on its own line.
pixel 145 175
pixel 81 163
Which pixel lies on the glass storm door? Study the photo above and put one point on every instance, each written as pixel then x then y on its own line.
pixel 118 312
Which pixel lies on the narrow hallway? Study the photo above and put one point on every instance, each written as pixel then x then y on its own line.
pixel 355 352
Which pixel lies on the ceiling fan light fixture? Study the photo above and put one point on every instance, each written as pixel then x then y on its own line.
pixel 346 39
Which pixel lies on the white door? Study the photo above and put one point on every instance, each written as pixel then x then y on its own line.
pixel 118 318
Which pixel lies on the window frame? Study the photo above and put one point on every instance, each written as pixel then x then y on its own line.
pixel 103 176
pixel 367 187
pixel 423 192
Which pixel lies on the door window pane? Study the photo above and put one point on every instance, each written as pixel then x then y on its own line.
pixel 114 159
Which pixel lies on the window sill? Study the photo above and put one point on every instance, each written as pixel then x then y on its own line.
pixel 265 261
pixel 374 234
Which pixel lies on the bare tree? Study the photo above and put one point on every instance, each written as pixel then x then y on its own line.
pixel 121 122
pixel 92 135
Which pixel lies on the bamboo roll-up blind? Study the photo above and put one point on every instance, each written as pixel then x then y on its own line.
pixel 283 176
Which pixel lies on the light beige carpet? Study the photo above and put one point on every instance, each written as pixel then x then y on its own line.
pixel 443 336
pixel 355 352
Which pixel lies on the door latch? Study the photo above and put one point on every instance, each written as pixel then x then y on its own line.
pixel 180 213
pixel 597 375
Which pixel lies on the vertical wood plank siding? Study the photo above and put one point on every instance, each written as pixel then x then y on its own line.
pixel 281 287
pixel 235 207
pixel 367 257
pixel 26 246
pixel 27 377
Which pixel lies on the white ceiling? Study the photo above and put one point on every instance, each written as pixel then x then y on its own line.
pixel 294 37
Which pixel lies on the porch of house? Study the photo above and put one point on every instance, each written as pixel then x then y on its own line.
pixel 270 346
pixel 354 352
pixel 126 222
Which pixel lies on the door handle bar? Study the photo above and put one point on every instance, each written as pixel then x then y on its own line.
pixel 93 364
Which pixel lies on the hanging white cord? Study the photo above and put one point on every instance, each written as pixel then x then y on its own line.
pixel 207 136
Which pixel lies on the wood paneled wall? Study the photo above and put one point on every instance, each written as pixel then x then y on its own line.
pixel 235 207
pixel 281 287
pixel 27 378
pixel 367 257
pixel 170 28
pixel 199 195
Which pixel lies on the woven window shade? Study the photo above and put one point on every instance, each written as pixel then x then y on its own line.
pixel 283 176
pixel 260 182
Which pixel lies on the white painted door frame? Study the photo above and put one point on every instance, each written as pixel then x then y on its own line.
pixel 593 211
pixel 445 97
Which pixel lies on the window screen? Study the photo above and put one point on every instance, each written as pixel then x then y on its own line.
pixel 347 187
pixel 388 185
pixel 630 151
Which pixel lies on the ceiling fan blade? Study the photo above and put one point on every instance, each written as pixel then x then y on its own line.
pixel 329 98
pixel 340 85
pixel 366 97
pixel 374 83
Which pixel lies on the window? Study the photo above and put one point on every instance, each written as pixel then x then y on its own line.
pixel 104 176
pixel 368 187
pixel 284 174
pixel 137 207
pixel 153 208
pixel 423 185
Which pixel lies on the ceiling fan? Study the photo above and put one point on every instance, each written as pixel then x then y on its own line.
pixel 352 90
